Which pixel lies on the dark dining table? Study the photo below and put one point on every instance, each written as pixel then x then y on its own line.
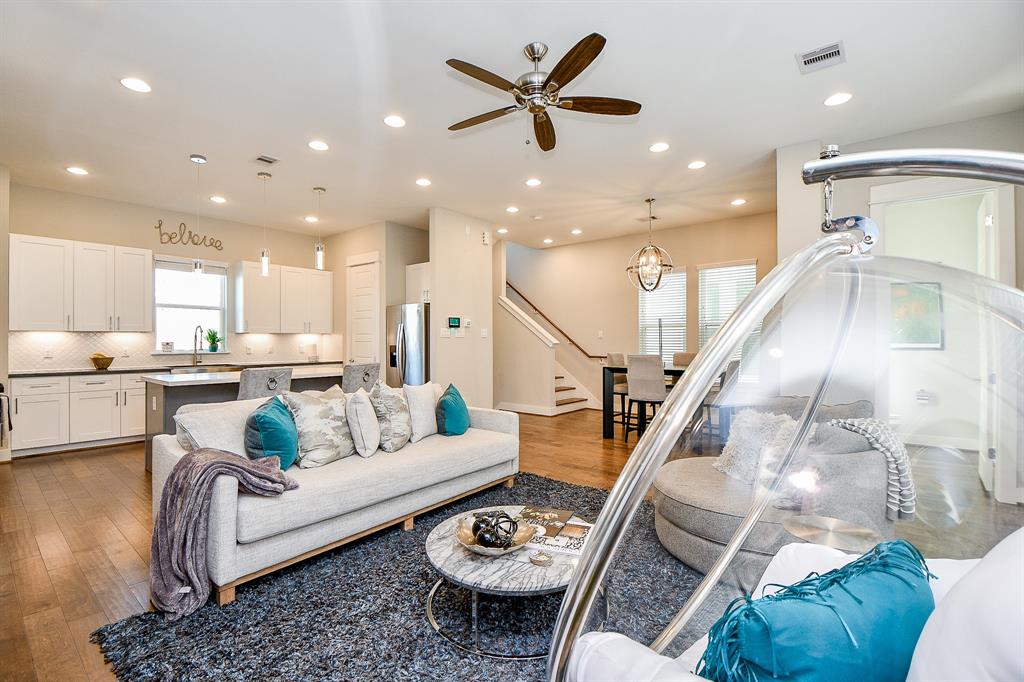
pixel 608 397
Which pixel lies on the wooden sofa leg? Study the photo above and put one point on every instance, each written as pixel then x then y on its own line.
pixel 409 523
pixel 225 595
pixel 510 481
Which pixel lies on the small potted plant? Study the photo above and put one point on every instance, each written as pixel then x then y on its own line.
pixel 213 339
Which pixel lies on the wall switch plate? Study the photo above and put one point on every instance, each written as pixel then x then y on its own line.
pixel 483 332
pixel 446 333
pixel 460 333
pixel 600 333
pixel 302 349
pixel 469 323
pixel 485 238
pixel 47 354
pixel 248 350
pixel 124 353
pixel 270 350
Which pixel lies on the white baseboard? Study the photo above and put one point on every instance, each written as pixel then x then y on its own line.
pixel 71 447
pixel 931 441
pixel 542 410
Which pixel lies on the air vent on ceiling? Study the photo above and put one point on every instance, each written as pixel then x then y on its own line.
pixel 268 160
pixel 822 58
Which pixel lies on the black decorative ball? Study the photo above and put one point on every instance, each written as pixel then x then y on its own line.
pixel 495 529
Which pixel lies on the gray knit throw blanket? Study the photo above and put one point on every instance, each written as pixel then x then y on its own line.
pixel 178 577
pixel 901 496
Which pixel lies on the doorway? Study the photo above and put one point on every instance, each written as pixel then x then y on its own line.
pixel 363 316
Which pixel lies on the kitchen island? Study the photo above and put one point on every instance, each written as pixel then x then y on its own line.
pixel 165 393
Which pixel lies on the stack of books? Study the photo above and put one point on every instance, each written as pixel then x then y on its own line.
pixel 560 534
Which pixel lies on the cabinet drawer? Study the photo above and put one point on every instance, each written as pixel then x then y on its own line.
pixel 92 382
pixel 39 385
pixel 130 381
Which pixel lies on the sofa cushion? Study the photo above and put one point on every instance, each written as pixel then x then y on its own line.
pixel 793 405
pixel 215 425
pixel 354 483
pixel 694 496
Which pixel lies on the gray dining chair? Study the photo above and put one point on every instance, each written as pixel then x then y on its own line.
pixel 680 360
pixel 356 376
pixel 620 385
pixel 264 382
pixel 646 377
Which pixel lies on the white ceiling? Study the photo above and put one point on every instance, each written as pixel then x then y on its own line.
pixel 718 81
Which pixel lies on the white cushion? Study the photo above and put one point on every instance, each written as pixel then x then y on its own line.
pixel 362 422
pixel 611 657
pixel 977 632
pixel 221 427
pixel 422 402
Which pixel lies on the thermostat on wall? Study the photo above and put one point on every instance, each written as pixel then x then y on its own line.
pixel 454 322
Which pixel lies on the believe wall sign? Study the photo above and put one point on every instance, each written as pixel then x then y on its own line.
pixel 186 236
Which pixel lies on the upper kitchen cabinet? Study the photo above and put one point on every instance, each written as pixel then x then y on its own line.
pixel 42 283
pixel 133 289
pixel 257 299
pixel 417 283
pixel 306 301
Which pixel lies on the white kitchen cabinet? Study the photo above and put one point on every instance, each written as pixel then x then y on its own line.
pixel 94 415
pixel 306 301
pixel 41 283
pixel 257 299
pixel 417 283
pixel 93 309
pixel 133 412
pixel 40 421
pixel 133 290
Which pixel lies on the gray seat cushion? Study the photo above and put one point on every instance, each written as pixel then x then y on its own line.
pixel 353 483
pixel 708 504
pixel 793 405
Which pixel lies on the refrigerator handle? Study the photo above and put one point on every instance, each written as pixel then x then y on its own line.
pixel 400 351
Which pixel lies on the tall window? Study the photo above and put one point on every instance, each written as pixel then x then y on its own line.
pixel 663 317
pixel 185 299
pixel 722 288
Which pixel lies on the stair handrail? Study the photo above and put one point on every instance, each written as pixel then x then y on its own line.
pixel 572 341
pixel 524 319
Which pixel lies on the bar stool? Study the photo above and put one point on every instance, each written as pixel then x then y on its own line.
pixel 263 383
pixel 646 377
pixel 620 387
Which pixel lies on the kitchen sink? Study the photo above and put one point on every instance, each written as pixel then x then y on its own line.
pixel 205 369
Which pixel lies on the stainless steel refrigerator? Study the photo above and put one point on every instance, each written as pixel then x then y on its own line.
pixel 408 344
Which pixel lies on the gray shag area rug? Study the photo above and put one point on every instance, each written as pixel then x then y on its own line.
pixel 359 612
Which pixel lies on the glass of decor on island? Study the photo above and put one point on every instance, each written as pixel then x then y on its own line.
pixel 213 339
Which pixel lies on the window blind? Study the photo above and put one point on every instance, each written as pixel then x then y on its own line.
pixel 722 288
pixel 665 305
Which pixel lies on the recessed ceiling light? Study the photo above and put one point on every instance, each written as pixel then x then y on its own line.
pixel 738 202
pixel 512 209
pixel 423 182
pixel 696 165
pixel 533 182
pixel 659 147
pixel 318 145
pixel 502 230
pixel 394 120
pixel 311 219
pixel 217 199
pixel 197 158
pixel 76 170
pixel 549 241
pixel 837 99
pixel 577 231
pixel 136 84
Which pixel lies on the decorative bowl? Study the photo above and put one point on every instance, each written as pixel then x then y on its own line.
pixel 101 361
pixel 464 534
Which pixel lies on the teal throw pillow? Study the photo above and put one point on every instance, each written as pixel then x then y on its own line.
pixel 859 622
pixel 452 413
pixel 270 432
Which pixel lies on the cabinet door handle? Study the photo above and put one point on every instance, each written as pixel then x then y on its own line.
pixel 119 322
pixel 117 399
pixel 15 406
pixel 40 385
pixel 111 324
pixel 95 383
pixel 69 322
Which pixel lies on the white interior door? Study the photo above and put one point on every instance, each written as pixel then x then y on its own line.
pixel 363 312
pixel 133 290
pixel 94 288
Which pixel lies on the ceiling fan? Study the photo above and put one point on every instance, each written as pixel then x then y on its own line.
pixel 537 90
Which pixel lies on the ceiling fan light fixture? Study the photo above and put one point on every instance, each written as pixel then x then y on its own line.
pixel 659 147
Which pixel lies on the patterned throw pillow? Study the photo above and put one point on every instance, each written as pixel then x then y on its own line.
pixel 323 430
pixel 362 422
pixel 393 416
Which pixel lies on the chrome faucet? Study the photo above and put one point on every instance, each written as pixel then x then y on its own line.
pixel 197 339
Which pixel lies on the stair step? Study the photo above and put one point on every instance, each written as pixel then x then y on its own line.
pixel 559 389
pixel 569 401
pixel 559 376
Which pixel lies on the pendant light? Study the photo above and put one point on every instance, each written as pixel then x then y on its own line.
pixel 264 252
pixel 649 263
pixel 318 246
pixel 199 160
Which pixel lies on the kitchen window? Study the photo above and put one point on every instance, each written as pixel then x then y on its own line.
pixel 663 317
pixel 186 298
pixel 721 289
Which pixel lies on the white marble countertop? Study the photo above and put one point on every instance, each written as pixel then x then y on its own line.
pixel 200 379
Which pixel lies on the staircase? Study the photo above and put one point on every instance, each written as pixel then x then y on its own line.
pixel 569 394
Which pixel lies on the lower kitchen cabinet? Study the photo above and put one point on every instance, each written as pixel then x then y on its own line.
pixel 133 412
pixel 40 421
pixel 95 415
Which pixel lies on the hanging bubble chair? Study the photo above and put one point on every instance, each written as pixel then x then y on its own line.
pixel 856 411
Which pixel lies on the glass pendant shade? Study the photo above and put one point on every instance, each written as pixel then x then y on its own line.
pixel 318 256
pixel 264 262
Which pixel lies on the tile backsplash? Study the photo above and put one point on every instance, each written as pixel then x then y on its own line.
pixel 32 351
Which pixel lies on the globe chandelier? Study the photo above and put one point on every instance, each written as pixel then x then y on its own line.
pixel 649 263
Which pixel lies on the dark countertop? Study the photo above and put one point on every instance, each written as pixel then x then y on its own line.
pixel 160 369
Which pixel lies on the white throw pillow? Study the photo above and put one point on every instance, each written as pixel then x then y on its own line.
pixel 422 402
pixel 221 427
pixel 977 631
pixel 362 422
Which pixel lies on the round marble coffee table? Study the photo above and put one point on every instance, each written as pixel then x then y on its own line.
pixel 510 575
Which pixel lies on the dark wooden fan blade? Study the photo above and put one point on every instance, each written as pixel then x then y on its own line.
pixel 481 74
pixel 544 130
pixel 609 106
pixel 575 60
pixel 483 118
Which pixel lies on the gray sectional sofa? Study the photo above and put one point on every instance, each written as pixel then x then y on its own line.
pixel 250 536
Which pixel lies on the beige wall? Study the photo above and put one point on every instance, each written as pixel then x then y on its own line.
pixel 404 246
pixel 5 243
pixel 462 267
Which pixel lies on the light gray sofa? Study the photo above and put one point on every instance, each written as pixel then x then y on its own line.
pixel 250 535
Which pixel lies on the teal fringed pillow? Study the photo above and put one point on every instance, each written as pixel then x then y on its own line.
pixel 452 413
pixel 270 432
pixel 859 622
